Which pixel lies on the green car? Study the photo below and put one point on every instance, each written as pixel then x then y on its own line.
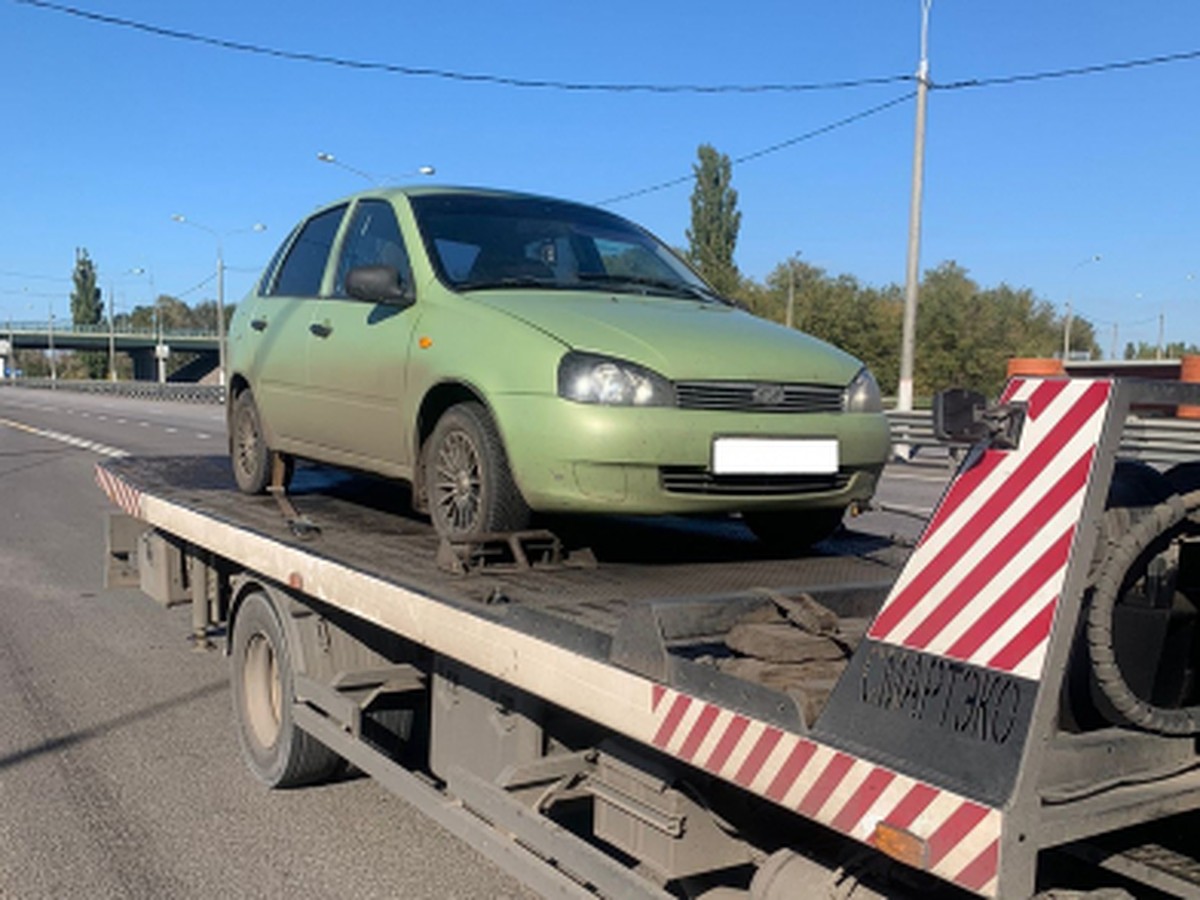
pixel 509 354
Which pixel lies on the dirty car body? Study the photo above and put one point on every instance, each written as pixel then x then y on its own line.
pixel 510 354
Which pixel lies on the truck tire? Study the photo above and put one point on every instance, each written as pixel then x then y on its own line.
pixel 468 484
pixel 248 450
pixel 277 752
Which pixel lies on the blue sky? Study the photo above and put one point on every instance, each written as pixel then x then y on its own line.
pixel 110 131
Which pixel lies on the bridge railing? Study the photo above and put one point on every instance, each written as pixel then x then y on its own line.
pixel 102 328
pixel 178 392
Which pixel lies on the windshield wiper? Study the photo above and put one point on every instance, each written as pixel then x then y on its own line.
pixel 677 288
pixel 515 281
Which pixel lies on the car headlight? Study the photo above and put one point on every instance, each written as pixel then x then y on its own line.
pixel 588 378
pixel 862 394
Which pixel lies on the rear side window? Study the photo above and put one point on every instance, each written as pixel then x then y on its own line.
pixel 300 275
pixel 268 275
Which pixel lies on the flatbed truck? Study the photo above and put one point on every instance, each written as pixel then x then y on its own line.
pixel 659 709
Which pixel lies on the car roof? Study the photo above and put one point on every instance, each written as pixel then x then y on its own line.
pixel 427 190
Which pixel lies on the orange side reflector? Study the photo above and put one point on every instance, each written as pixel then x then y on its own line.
pixel 425 343
pixel 902 845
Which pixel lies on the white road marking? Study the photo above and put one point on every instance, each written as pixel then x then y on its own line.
pixel 72 440
pixel 171 430
pixel 202 436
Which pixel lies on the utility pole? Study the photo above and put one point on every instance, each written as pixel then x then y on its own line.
pixel 220 314
pixel 112 335
pixel 791 307
pixel 1067 334
pixel 53 361
pixel 904 397
pixel 1158 354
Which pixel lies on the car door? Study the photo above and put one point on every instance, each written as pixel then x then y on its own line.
pixel 358 350
pixel 279 324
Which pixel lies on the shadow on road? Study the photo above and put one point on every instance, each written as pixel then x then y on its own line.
pixel 63 742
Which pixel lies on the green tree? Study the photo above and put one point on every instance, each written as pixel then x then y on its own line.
pixel 967 333
pixel 86 309
pixel 715 221
pixel 1173 350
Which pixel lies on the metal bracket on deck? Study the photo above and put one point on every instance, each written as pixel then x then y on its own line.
pixel 300 525
pixel 350 694
pixel 515 551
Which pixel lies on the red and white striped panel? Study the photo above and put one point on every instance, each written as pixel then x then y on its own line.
pixel 839 790
pixel 984 581
pixel 120 493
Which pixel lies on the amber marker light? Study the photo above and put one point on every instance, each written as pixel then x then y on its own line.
pixel 902 845
pixel 425 343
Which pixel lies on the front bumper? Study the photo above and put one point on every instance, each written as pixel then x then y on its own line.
pixel 575 457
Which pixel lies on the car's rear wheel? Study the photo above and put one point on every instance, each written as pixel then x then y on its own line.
pixel 796 530
pixel 248 450
pixel 469 486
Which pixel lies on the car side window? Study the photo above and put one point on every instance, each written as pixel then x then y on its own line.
pixel 268 275
pixel 302 270
pixel 373 239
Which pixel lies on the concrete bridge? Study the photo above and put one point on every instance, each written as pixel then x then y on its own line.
pixel 148 348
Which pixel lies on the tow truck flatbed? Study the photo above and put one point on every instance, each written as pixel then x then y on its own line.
pixel 690 689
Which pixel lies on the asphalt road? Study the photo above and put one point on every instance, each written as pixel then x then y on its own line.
pixel 119 769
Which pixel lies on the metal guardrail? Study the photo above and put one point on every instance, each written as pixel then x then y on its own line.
pixel 146 390
pixel 1158 441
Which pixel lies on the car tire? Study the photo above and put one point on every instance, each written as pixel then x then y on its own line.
pixel 248 451
pixel 468 484
pixel 795 531
pixel 279 753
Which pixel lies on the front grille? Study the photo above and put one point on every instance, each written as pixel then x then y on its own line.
pixel 698 480
pixel 756 396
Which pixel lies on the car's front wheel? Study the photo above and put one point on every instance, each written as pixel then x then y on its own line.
pixel 467 480
pixel 794 531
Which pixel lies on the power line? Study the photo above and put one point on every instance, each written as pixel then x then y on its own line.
pixel 596 87
pixel 809 135
pixel 195 287
pixel 1097 69
pixel 7 274
pixel 450 75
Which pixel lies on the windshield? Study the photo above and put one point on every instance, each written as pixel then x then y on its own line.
pixel 498 242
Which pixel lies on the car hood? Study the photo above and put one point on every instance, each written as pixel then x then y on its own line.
pixel 680 339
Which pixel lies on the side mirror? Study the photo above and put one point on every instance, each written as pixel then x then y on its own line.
pixel 958 416
pixel 378 284
pixel 964 417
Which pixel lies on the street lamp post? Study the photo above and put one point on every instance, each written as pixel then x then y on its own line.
pixel 1069 317
pixel 908 339
pixel 53 361
pixel 219 235
pixel 112 312
pixel 334 161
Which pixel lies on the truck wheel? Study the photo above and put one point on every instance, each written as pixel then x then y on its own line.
pixel 468 484
pixel 248 450
pixel 277 752
pixel 795 531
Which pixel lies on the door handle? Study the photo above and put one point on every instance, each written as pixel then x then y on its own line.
pixel 321 329
pixel 258 324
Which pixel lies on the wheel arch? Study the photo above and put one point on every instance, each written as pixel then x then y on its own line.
pixel 282 605
pixel 439 398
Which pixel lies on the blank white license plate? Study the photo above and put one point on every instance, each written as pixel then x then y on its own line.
pixel 774 456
